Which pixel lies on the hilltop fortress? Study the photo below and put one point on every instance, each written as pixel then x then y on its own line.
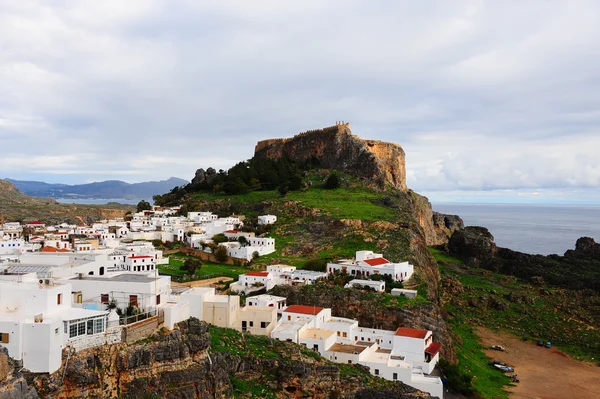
pixel 335 147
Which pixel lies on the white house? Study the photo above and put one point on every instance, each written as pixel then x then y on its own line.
pixel 367 264
pixel 37 321
pixel 256 280
pixel 378 286
pixel 406 355
pixel 272 301
pixel 266 219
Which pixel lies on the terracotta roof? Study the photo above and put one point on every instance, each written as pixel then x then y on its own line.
pixel 303 309
pixel 258 274
pixel 376 261
pixel 411 332
pixel 232 231
pixel 139 256
pixel 34 223
pixel 53 249
pixel 433 348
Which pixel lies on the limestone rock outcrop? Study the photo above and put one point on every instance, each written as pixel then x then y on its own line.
pixel 335 147
pixel 474 245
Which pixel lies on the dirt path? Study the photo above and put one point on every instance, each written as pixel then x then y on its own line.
pixel 200 283
pixel 544 373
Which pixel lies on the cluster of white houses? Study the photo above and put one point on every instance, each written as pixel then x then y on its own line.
pixel 58 294
pixel 197 230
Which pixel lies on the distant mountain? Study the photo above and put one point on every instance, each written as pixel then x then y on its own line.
pixel 106 189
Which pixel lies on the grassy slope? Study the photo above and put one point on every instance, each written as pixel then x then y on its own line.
pixel 353 201
pixel 208 269
pixel 530 313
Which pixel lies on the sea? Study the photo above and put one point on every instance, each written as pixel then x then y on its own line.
pixel 93 201
pixel 533 229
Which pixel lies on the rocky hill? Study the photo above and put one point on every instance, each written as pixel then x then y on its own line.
pixel 104 189
pixel 15 206
pixel 195 361
pixel 337 148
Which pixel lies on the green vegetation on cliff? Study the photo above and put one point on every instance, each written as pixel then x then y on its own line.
pixel 474 296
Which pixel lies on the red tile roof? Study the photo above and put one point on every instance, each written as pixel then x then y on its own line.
pixel 303 309
pixel 53 249
pixel 376 261
pixel 139 256
pixel 232 231
pixel 411 333
pixel 258 274
pixel 34 223
pixel 433 348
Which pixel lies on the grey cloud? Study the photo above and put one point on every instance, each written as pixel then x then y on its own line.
pixel 482 95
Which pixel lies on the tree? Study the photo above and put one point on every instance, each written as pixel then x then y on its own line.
pixel 221 254
pixel 192 265
pixel 333 181
pixel 315 265
pixel 283 190
pixel 242 240
pixel 219 238
pixel 143 206
pixel 295 183
pixel 255 255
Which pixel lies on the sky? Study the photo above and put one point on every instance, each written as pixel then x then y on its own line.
pixel 492 101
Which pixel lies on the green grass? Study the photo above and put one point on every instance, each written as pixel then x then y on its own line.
pixel 565 317
pixel 208 268
pixel 488 381
pixel 354 202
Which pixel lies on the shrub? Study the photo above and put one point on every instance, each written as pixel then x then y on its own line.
pixel 219 238
pixel 221 254
pixel 315 265
pixel 191 265
pixel 458 381
pixel 333 181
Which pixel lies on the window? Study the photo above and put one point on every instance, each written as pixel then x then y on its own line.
pixel 345 335
pixel 349 361
pixel 4 338
pixel 104 298
pixel 158 299
pixel 376 371
pixel 56 331
pixel 251 324
pixel 395 376
pixel 101 272
pixel 59 299
pixel 264 324
pixel 289 318
pixel 133 300
pixel 338 334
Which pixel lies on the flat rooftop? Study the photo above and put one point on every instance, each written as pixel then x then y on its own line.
pixel 126 278
pixel 343 348
pixel 317 333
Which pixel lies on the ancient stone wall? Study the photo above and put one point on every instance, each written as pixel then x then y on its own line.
pixel 140 330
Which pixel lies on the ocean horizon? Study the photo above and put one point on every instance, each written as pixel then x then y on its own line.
pixel 530 228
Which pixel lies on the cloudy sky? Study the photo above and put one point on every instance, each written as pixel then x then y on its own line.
pixel 491 100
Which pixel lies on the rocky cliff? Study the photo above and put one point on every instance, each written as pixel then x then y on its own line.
pixel 195 362
pixel 337 148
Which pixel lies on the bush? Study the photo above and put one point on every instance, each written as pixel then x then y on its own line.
pixel 315 265
pixel 219 238
pixel 221 254
pixel 191 265
pixel 458 381
pixel 333 181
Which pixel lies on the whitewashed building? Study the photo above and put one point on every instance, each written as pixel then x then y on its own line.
pixel 368 264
